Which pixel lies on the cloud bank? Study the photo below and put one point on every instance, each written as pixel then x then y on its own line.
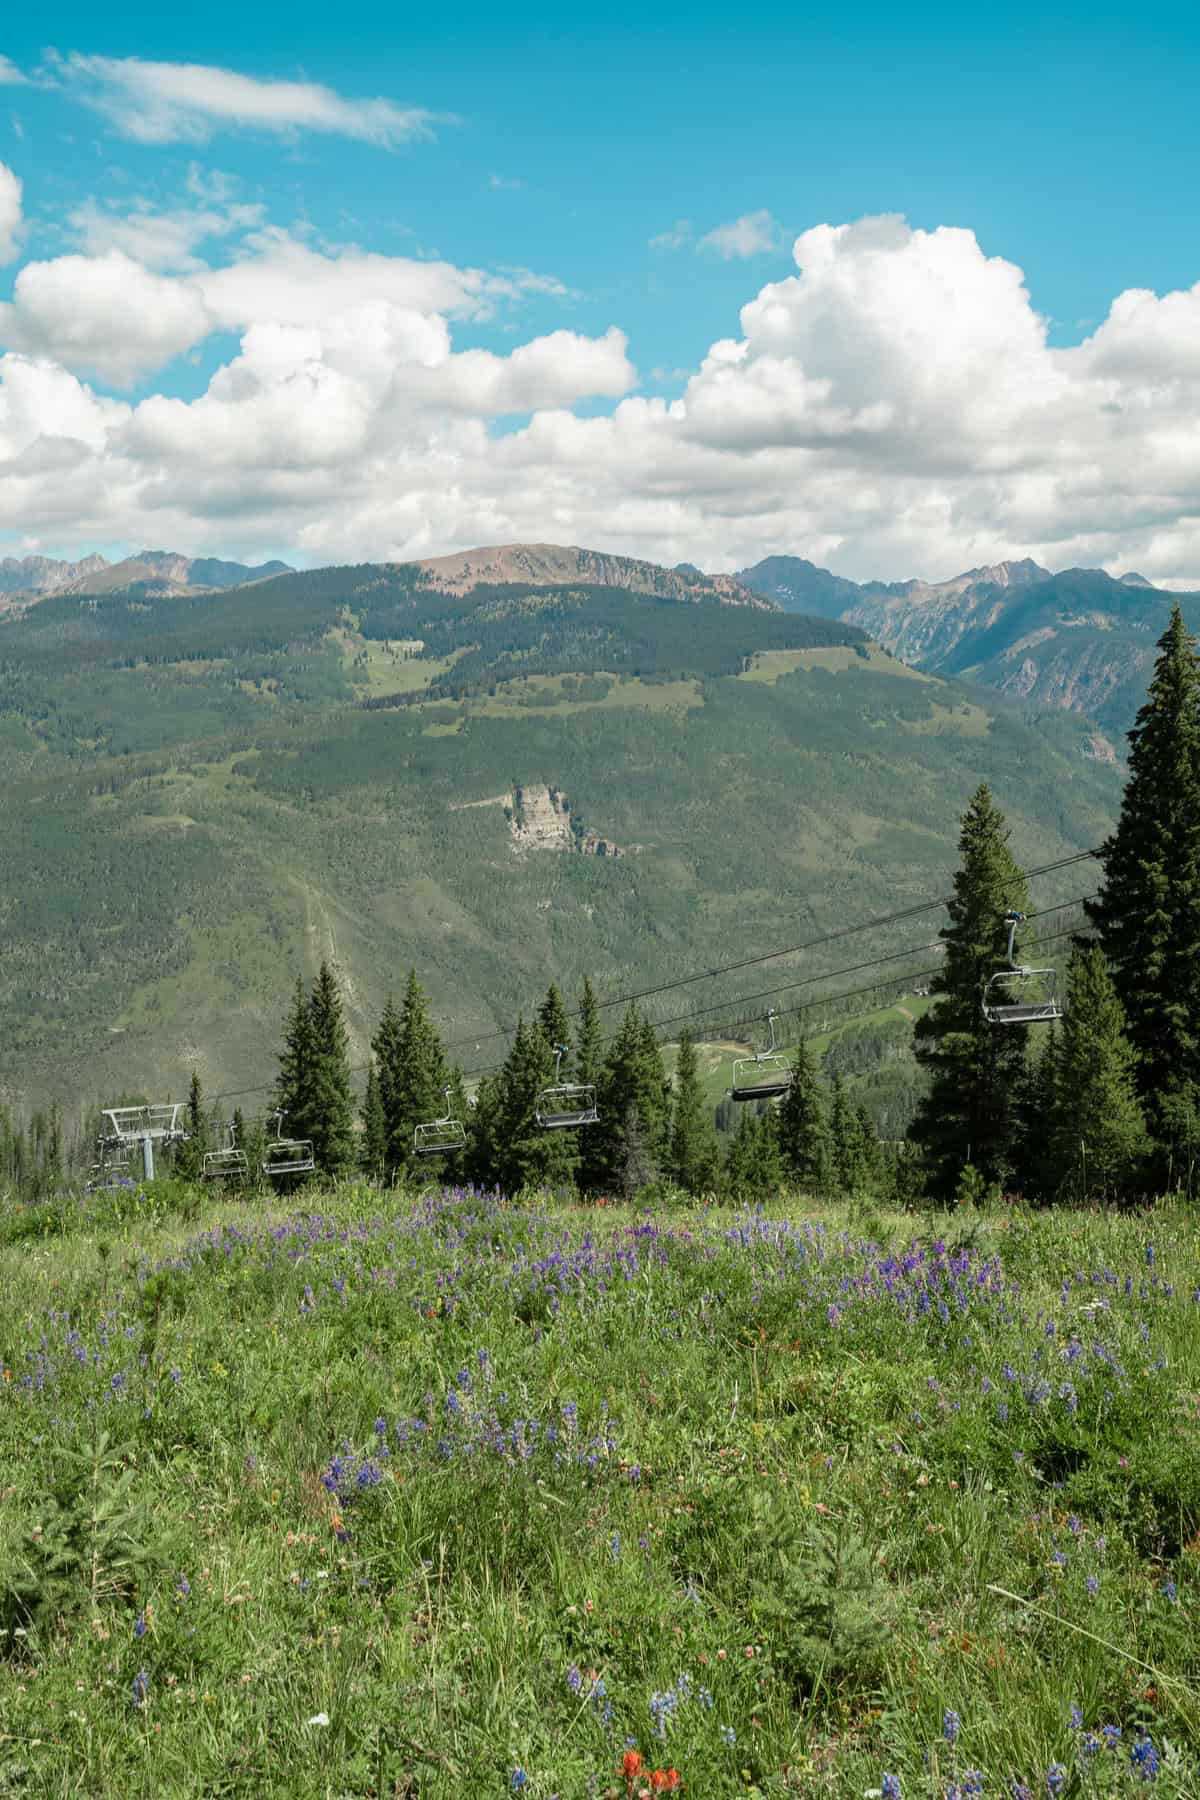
pixel 892 406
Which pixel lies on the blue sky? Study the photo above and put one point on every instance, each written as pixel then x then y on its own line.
pixel 564 145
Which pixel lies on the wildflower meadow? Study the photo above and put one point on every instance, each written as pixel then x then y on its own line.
pixel 448 1495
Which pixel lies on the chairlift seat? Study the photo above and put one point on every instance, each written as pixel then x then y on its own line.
pixel 440 1134
pixel 225 1165
pixel 289 1157
pixel 1024 1012
pixel 569 1104
pixel 759 1078
pixel 1003 1003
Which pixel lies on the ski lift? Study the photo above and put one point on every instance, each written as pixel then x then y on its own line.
pixel 1020 995
pixel 763 1076
pixel 228 1163
pixel 287 1156
pixel 129 1125
pixel 112 1172
pixel 565 1104
pixel 444 1134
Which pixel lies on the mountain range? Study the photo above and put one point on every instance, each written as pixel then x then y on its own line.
pixel 28 578
pixel 521 764
pixel 1079 640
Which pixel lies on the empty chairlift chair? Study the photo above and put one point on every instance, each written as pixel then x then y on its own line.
pixel 1020 995
pixel 228 1163
pixel 287 1156
pixel 446 1134
pixel 565 1104
pixel 112 1171
pixel 763 1076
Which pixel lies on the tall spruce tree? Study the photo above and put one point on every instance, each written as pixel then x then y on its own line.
pixel 189 1157
pixel 295 1087
pixel 753 1165
pixel 634 1106
pixel 589 1068
pixel 975 1069
pixel 521 1152
pixel 1034 1168
pixel 331 1121
pixel 1098 1133
pixel 802 1127
pixel 846 1138
pixel 413 1076
pixel 1148 910
pixel 695 1160
pixel 557 1157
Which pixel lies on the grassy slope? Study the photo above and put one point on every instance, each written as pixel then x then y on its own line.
pixel 1015 1521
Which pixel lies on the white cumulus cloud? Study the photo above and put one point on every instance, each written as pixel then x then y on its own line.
pixel 164 103
pixel 103 315
pixel 892 406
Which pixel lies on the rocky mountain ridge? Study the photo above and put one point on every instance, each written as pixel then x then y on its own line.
pixel 26 579
pixel 1078 640
pixel 553 565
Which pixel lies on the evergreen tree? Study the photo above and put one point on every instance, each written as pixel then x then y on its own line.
pixel 374 1132
pixel 1148 910
pixel 695 1160
pixel 552 1023
pixel 521 1150
pixel 802 1127
pixel 589 1068
pixel 295 1087
pixel 413 1076
pixel 868 1148
pixel 846 1138
pixel 189 1156
pixel 557 1156
pixel 968 1113
pixel 633 1087
pixel 481 1157
pixel 330 1124
pixel 385 1058
pixel 1098 1131
pixel 754 1166
pixel 1035 1170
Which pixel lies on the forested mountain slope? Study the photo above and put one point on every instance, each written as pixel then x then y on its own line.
pixel 206 794
pixel 1079 640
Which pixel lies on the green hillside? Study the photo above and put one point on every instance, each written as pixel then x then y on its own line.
pixel 207 795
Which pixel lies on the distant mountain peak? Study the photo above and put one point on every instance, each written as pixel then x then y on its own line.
pixel 32 577
pixel 1133 579
pixel 170 572
pixel 552 565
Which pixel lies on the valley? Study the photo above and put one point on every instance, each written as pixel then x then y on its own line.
pixel 211 792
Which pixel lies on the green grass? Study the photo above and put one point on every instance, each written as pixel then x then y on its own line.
pixel 388 670
pixel 814 1512
pixel 545 696
pixel 768 665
